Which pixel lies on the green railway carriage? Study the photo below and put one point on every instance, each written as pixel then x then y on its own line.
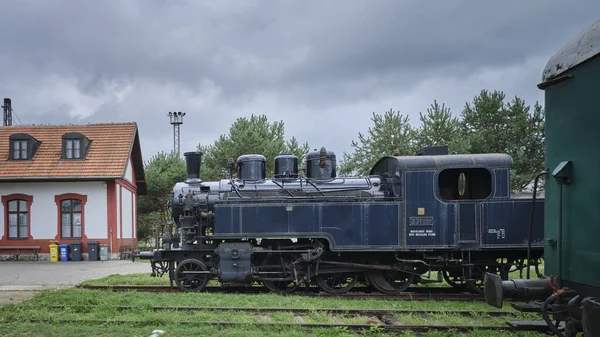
pixel 570 288
pixel 571 82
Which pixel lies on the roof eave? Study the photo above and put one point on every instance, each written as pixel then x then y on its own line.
pixel 138 165
pixel 60 178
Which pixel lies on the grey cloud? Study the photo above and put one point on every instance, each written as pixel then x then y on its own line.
pixel 73 61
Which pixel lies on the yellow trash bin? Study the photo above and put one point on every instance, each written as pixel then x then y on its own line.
pixel 53 251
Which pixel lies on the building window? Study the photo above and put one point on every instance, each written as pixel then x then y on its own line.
pixel 19 149
pixel 18 221
pixel 17 210
pixel 73 148
pixel 22 146
pixel 75 145
pixel 465 184
pixel 70 218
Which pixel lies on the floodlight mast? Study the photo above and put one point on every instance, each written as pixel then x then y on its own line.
pixel 176 119
pixel 7 112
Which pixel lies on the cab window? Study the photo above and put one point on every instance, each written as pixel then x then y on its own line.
pixel 465 184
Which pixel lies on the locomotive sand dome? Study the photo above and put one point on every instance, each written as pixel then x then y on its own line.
pixel 571 293
pixel 321 165
pixel 286 166
pixel 252 167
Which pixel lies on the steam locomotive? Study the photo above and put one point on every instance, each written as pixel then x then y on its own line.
pixel 410 216
pixel 568 298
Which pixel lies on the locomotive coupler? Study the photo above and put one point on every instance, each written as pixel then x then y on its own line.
pixel 496 290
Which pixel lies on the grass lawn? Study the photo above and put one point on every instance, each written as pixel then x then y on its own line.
pixel 90 305
pixel 100 305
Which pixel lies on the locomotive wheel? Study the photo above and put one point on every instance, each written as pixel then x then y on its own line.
pixel 456 281
pixel 337 283
pixel 280 266
pixel 390 282
pixel 191 275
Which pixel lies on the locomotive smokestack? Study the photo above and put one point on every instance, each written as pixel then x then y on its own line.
pixel 193 160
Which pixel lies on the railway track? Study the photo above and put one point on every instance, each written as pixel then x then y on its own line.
pixel 380 319
pixel 335 311
pixel 420 293
pixel 381 327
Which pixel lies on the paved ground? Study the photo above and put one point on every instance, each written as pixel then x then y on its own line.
pixel 21 280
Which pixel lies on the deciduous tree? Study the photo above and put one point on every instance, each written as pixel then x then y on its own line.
pixel 162 171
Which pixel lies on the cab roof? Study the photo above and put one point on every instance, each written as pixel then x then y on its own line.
pixel 580 49
pixel 488 160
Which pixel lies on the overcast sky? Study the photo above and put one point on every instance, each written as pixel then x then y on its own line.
pixel 323 67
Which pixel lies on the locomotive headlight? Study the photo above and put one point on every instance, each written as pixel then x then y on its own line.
pixel 234 253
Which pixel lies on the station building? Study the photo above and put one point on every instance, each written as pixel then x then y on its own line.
pixel 69 183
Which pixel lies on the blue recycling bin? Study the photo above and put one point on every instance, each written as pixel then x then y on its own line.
pixel 64 252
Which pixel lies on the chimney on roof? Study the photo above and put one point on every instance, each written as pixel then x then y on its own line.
pixel 7 108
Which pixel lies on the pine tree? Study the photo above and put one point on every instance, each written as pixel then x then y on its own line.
pixel 390 135
pixel 248 136
pixel 491 126
pixel 440 128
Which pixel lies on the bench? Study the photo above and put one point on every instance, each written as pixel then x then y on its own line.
pixel 35 249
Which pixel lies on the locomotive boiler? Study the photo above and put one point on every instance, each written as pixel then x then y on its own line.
pixel 411 215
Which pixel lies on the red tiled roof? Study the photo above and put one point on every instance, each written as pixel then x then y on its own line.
pixel 111 146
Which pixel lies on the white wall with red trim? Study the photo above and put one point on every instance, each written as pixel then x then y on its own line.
pixel 44 210
pixel 125 215
pixel 128 171
pixel 102 221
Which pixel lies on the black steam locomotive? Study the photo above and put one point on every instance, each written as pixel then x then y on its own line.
pixel 411 215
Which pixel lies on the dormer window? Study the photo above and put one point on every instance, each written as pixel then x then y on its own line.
pixel 22 146
pixel 75 145
pixel 19 149
pixel 73 148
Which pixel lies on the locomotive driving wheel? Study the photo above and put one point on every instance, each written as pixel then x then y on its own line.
pixel 453 278
pixel 390 281
pixel 191 275
pixel 279 266
pixel 337 283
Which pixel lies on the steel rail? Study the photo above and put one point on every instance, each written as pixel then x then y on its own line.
pixel 388 327
pixel 260 289
pixel 345 311
pixel 452 295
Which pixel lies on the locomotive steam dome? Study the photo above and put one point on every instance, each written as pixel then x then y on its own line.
pixel 321 165
pixel 252 167
pixel 286 166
